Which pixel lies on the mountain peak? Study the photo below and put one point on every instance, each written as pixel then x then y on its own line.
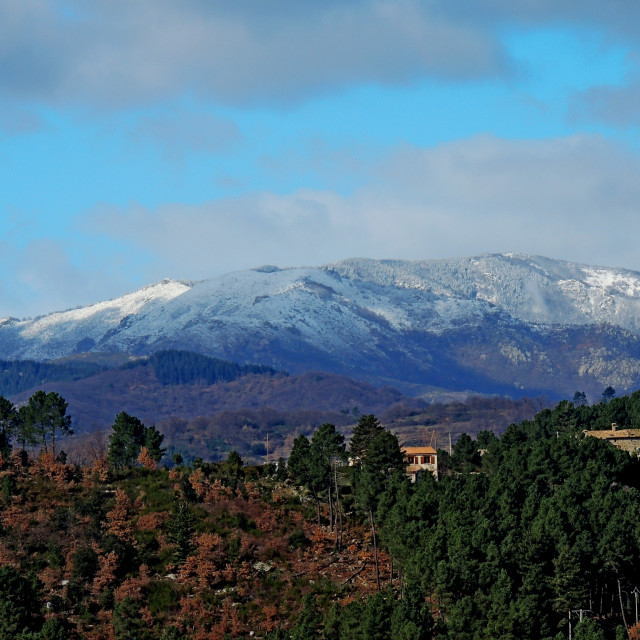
pixel 449 322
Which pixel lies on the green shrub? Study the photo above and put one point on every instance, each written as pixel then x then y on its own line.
pixel 297 540
pixel 161 597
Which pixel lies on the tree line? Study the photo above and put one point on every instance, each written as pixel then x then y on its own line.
pixel 186 367
pixel 21 375
pixel 523 535
pixel 43 420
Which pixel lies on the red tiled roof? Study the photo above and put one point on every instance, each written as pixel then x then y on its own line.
pixel 412 451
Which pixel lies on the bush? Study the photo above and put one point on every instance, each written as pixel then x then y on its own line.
pixel 162 597
pixel 297 540
pixel 85 564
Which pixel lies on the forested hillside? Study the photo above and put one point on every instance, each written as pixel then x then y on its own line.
pixel 22 375
pixel 207 407
pixel 522 535
pixel 185 367
pixel 170 367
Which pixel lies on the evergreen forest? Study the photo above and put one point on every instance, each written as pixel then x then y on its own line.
pixel 531 535
pixel 186 367
pixel 170 366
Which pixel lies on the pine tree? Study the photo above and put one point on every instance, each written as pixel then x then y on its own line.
pixel 308 621
pixel 180 527
pixel 127 439
pixel 411 618
pixel 381 459
pixel 153 442
pixel 579 399
pixel 298 465
pixel 8 423
pixel 19 602
pixel 127 622
pixel 367 428
pixel 44 418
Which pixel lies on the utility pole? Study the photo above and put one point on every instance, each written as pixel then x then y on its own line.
pixel 569 624
pixel 635 592
pixel 267 447
pixel 581 613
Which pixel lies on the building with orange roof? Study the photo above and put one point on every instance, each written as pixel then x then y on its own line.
pixel 420 459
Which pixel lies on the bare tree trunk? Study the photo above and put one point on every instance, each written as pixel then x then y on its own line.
pixel 331 514
pixel 43 434
pixel 624 619
pixel 375 550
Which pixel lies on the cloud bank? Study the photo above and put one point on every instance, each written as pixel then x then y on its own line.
pixel 573 198
pixel 117 53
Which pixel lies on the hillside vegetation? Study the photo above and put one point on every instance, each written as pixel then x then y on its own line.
pixel 207 407
pixel 540 530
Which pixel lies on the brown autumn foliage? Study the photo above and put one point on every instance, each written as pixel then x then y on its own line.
pixel 208 562
pixel 100 469
pixel 145 460
pixel 46 465
pixel 106 574
pixel 198 483
pixel 119 522
pixel 152 521
pixel 111 547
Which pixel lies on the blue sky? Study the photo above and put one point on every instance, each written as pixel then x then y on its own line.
pixel 152 139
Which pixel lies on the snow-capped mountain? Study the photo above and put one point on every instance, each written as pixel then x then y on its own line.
pixel 505 323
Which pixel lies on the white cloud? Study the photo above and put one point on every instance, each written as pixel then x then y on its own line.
pixel 572 198
pixel 617 105
pixel 45 278
pixel 118 53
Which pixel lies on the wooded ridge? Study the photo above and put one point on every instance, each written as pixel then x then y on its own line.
pixel 523 534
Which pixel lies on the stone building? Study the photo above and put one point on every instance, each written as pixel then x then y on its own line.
pixel 625 439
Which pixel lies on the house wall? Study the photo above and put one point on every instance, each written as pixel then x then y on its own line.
pixel 625 439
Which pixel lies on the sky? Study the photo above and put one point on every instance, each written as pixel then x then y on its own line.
pixel 151 139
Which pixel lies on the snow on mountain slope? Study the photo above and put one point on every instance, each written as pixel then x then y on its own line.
pixel 455 320
pixel 528 288
pixel 316 304
pixel 63 333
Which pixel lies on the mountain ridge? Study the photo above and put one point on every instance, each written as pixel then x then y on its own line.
pixel 508 323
